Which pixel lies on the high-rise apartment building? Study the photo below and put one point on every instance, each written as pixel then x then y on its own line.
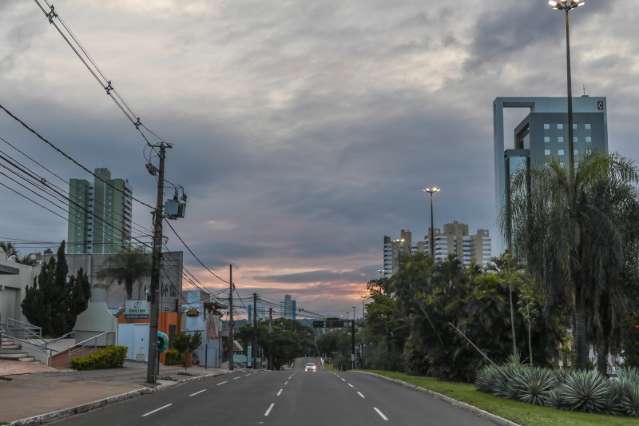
pixel 542 136
pixel 99 214
pixel 288 306
pixel 453 240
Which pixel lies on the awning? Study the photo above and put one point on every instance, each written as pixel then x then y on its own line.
pixel 8 270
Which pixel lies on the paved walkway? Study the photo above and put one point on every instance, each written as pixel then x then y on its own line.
pixel 28 395
pixel 10 368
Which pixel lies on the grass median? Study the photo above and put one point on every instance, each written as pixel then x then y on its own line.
pixel 518 412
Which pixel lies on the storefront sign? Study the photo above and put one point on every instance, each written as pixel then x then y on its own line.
pixel 136 309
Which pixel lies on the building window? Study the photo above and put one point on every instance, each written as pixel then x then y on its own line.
pixel 588 126
pixel 546 139
pixel 560 126
pixel 560 152
pixel 547 152
pixel 588 139
pixel 546 126
pixel 575 139
pixel 576 152
pixel 575 126
pixel 560 139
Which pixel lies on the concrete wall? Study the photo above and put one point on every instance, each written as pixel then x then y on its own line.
pixel 12 288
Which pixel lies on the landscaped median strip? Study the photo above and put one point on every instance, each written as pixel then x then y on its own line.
pixel 462 395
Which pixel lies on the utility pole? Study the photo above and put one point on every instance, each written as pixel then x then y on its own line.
pixel 254 343
pixel 152 366
pixel 231 325
pixel 270 331
pixel 353 340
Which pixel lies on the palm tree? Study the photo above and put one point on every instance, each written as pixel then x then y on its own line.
pixel 574 235
pixel 127 266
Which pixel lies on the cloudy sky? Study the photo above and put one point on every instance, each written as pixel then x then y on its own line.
pixel 302 130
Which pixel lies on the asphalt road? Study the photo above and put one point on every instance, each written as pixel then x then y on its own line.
pixel 283 398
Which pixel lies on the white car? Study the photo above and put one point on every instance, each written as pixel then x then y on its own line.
pixel 310 367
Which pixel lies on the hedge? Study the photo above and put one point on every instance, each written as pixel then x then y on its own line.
pixel 108 357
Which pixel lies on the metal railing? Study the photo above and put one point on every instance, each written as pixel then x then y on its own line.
pixel 23 329
pixel 92 342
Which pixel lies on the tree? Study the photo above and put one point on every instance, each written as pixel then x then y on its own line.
pixel 575 236
pixel 55 300
pixel 127 267
pixel 186 344
pixel 8 248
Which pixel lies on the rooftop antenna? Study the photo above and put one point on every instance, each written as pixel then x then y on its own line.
pixel 584 88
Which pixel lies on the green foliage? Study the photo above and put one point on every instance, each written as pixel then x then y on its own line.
pixel 585 391
pixel 173 357
pixel 534 386
pixel 108 357
pixel 286 341
pixel 56 299
pixel 579 237
pixel 127 267
pixel 186 343
pixel 413 318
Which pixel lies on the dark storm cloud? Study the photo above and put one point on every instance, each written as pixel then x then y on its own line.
pixel 302 131
pixel 353 276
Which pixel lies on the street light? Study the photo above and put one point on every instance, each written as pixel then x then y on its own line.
pixel 566 6
pixel 431 190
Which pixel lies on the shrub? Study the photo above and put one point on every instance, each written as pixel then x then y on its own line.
pixel 173 357
pixel 629 403
pixel 585 391
pixel 534 386
pixel 108 357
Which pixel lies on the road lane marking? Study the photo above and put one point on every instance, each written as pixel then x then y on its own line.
pixel 286 383
pixel 268 411
pixel 156 410
pixel 380 414
pixel 343 379
pixel 247 375
pixel 222 383
pixel 198 392
pixel 350 385
pixel 280 392
pixel 361 394
pixel 290 377
pixel 237 378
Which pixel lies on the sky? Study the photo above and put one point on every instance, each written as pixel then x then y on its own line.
pixel 302 131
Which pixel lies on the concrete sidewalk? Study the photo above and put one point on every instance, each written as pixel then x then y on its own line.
pixel 34 394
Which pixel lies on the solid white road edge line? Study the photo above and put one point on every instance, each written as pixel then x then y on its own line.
pixel 361 394
pixel 279 392
pixel 268 411
pixel 380 414
pixel 222 383
pixel 198 392
pixel 157 409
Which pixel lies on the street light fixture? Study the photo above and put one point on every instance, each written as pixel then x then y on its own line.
pixel 566 6
pixel 432 190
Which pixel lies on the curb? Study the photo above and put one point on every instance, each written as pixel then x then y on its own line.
pixel 94 405
pixel 459 404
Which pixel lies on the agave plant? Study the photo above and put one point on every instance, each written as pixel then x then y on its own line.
pixel 616 392
pixel 629 404
pixel 534 385
pixel 628 373
pixel 585 391
pixel 487 378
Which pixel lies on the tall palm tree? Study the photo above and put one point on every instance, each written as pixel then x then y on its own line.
pixel 574 235
pixel 127 267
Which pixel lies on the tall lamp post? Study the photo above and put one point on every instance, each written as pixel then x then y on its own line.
pixel 566 6
pixel 431 190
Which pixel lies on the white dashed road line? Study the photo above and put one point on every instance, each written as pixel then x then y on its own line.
pixel 361 394
pixel 222 383
pixel 343 379
pixel 380 414
pixel 286 383
pixel 237 378
pixel 156 410
pixel 279 392
pixel 268 411
pixel 350 385
pixel 198 392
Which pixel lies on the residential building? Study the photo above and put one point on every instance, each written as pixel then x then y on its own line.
pixel 542 136
pixel 454 239
pixel 99 214
pixel 261 310
pixel 288 306
pixel 14 279
pixel 394 249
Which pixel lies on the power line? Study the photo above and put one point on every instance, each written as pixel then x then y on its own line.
pixel 87 60
pixel 70 158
